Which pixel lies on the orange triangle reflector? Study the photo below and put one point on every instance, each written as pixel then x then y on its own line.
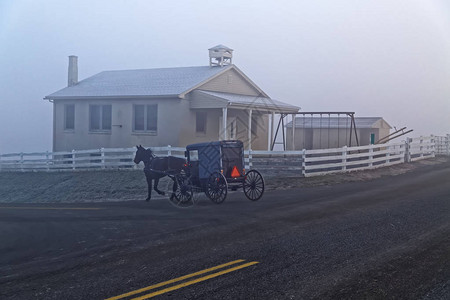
pixel 235 172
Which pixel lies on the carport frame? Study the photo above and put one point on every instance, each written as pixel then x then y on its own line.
pixel 329 113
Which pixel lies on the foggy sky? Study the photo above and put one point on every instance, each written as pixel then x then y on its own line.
pixel 378 58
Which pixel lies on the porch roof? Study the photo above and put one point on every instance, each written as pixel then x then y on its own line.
pixel 209 99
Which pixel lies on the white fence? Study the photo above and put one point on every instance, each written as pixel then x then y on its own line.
pixel 104 158
pixel 303 163
pixel 442 144
pixel 325 161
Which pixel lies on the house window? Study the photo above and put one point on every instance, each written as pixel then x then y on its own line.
pixel 145 118
pixel 69 117
pixel 200 122
pixel 100 117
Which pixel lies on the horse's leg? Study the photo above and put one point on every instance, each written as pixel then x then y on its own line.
pixel 156 187
pixel 149 186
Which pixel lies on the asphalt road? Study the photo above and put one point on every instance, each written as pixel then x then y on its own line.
pixel 385 238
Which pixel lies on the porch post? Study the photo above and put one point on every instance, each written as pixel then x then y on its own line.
pixel 268 133
pixel 224 123
pixel 293 131
pixel 272 131
pixel 250 129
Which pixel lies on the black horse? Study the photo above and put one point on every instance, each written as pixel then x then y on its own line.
pixel 157 167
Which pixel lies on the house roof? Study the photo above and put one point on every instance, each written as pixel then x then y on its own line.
pixel 169 82
pixel 142 83
pixel 336 122
pixel 244 101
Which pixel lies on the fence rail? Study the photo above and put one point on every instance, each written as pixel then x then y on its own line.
pixel 303 163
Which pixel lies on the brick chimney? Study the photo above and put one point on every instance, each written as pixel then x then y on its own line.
pixel 73 70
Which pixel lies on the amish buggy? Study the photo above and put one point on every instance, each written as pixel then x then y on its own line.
pixel 215 167
pixel 212 168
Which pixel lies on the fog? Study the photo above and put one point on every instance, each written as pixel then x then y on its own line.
pixel 377 58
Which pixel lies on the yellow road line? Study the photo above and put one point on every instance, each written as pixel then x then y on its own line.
pixel 176 287
pixel 49 208
pixel 175 280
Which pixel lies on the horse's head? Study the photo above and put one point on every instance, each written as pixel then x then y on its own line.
pixel 141 154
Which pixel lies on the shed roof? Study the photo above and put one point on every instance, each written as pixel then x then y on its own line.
pixel 140 83
pixel 336 122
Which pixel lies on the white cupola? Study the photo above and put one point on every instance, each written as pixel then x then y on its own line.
pixel 220 56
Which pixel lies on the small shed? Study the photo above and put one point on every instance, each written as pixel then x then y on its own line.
pixel 334 132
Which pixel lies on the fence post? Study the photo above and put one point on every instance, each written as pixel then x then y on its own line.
pixel 388 154
pixel 21 161
pixel 407 150
pixel 370 155
pixel 73 159
pixel 447 144
pixel 134 166
pixel 304 162
pixel 344 158
pixel 102 154
pixel 421 147
pixel 250 159
pixel 433 145
pixel 47 161
pixel 400 151
pixel 169 150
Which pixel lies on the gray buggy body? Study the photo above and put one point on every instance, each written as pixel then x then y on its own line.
pixel 204 159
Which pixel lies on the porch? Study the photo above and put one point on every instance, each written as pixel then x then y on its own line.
pixel 250 119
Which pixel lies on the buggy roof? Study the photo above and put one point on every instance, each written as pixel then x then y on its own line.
pixel 229 143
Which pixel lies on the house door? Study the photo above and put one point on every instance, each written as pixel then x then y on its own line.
pixel 372 138
pixel 231 128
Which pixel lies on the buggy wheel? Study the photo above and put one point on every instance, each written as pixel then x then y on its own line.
pixel 253 185
pixel 216 188
pixel 182 191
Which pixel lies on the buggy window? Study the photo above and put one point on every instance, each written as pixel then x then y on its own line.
pixel 193 155
pixel 231 153
pixel 231 157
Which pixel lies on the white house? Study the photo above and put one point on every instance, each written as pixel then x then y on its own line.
pixel 158 107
